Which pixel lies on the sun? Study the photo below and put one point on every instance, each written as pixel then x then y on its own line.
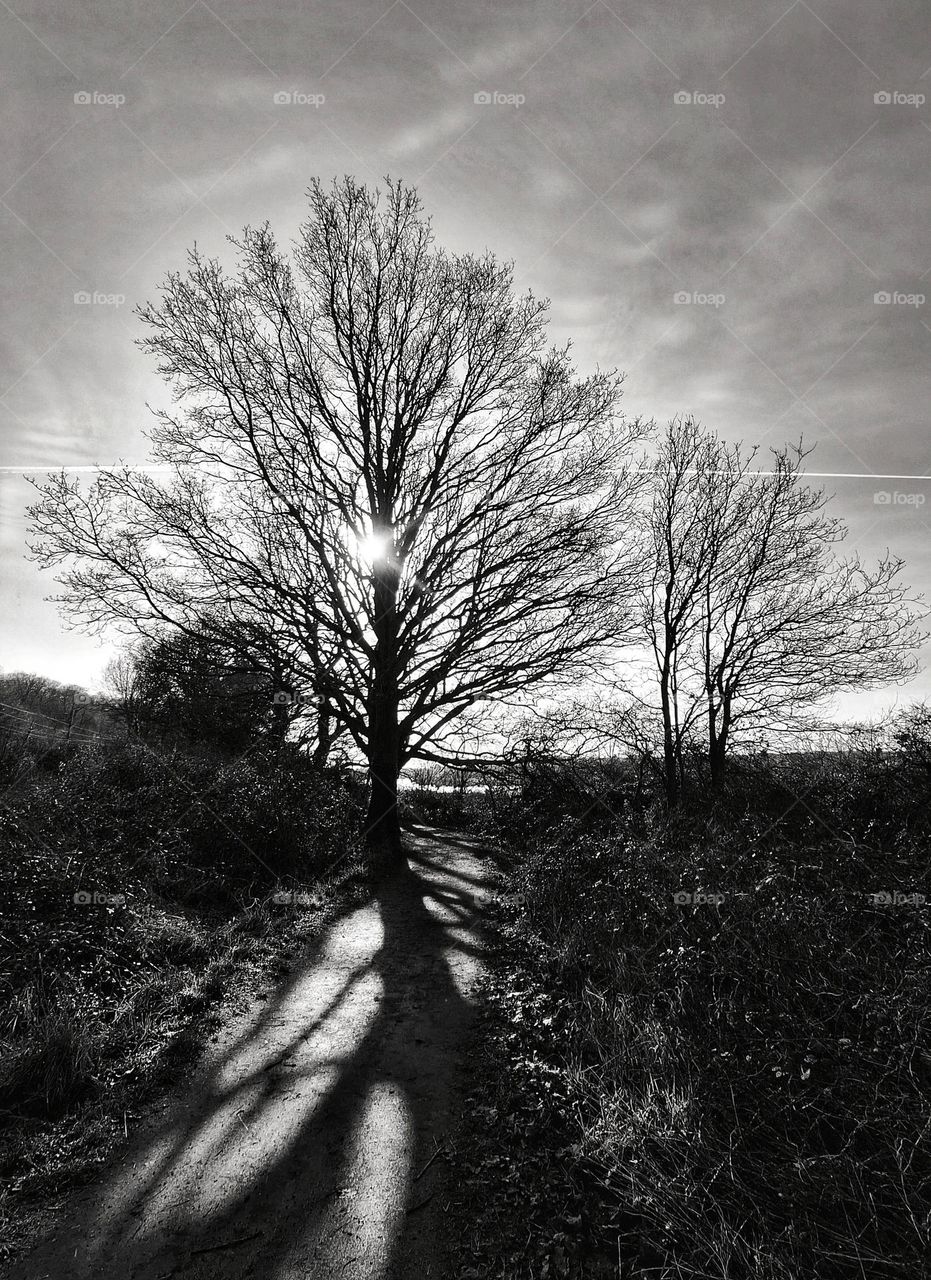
pixel 371 548
pixel 374 547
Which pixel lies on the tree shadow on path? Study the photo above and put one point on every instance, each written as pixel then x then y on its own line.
pixel 310 1144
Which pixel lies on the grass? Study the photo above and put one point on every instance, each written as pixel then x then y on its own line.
pixel 81 1075
pixel 732 1086
pixel 133 926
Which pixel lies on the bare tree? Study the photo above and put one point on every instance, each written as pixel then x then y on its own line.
pixel 679 552
pixel 376 455
pixel 753 617
pixel 121 684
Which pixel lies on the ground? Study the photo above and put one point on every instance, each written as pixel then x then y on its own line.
pixel 311 1139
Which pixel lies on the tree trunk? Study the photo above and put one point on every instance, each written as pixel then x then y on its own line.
pixel 716 760
pixel 671 771
pixel 382 824
pixel 324 733
pixel 280 720
pixel 717 741
pixel 383 827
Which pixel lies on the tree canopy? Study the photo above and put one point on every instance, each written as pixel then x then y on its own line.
pixel 376 457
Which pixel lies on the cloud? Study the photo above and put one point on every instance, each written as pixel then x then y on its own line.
pixel 610 196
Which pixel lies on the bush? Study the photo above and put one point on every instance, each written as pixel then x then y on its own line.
pixel 542 793
pixel 236 824
pixel 121 873
pixel 456 810
pixel 748 1068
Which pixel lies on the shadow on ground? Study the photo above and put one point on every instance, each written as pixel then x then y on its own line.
pixel 306 1145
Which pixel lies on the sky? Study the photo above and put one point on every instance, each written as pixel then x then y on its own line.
pixel 727 201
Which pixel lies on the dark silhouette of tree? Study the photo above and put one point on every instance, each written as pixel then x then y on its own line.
pixel 376 457
pixel 217 684
pixel 911 733
pixel 678 564
pixel 192 692
pixel 753 618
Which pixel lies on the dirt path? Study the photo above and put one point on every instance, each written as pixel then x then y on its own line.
pixel 300 1147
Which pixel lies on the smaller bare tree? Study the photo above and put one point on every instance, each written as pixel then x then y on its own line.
pixel 753 617
pixel 121 684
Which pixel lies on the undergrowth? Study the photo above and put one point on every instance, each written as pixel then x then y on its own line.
pixel 141 894
pixel 709 1052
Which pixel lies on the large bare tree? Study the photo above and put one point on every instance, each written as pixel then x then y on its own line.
pixel 376 456
pixel 753 616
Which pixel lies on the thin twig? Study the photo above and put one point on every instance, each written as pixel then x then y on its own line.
pixel 441 1148
pixel 227 1244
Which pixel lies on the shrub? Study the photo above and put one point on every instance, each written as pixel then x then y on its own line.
pixel 121 871
pixel 236 823
pixel 456 810
pixel 748 1069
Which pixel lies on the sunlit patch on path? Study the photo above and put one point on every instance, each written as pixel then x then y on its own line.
pixel 306 1144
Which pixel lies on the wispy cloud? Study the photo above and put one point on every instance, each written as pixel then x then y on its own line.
pixel 781 183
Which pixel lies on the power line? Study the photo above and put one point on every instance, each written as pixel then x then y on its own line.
pixel 82 739
pixel 78 733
